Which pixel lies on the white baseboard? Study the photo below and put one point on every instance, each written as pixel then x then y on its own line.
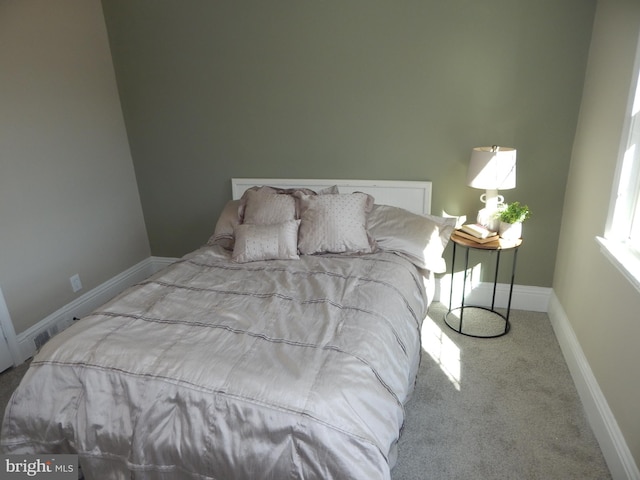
pixel 612 443
pixel 525 297
pixel 86 303
pixel 158 263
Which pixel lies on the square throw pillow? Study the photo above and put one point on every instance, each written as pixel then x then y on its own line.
pixel 419 238
pixel 277 241
pixel 265 206
pixel 234 211
pixel 334 223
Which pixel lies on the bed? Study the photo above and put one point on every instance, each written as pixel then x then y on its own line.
pixel 285 347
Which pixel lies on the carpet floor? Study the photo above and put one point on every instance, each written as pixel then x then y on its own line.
pixel 501 408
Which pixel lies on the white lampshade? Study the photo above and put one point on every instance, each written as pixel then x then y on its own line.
pixel 492 168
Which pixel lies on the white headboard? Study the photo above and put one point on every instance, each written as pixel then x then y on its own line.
pixel 410 195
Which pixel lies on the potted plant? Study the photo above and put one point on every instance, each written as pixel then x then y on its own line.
pixel 511 217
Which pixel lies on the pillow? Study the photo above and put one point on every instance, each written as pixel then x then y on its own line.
pixel 266 242
pixel 419 238
pixel 334 223
pixel 255 194
pixel 262 207
pixel 328 190
pixel 234 210
pixel 229 218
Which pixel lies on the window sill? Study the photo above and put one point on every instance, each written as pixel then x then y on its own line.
pixel 623 258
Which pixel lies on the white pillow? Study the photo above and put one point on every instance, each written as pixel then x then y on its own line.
pixel 419 238
pixel 335 223
pixel 266 242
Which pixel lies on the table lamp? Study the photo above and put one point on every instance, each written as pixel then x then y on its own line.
pixel 492 169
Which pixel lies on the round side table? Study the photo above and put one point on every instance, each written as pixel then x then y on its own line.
pixel 502 327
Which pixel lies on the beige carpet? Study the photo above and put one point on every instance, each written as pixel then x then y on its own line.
pixel 500 408
pixel 483 409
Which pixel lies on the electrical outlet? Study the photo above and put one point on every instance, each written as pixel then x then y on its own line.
pixel 76 284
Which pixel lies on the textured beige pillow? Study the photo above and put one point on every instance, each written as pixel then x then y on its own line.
pixel 419 238
pixel 334 223
pixel 265 207
pixel 266 242
pixel 272 210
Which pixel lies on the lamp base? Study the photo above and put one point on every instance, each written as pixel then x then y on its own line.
pixel 488 215
pixel 487 218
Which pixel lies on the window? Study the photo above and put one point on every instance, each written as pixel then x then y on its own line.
pixel 621 242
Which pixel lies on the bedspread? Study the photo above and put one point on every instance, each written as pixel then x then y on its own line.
pixel 216 370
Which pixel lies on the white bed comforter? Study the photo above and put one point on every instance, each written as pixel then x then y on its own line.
pixel 217 370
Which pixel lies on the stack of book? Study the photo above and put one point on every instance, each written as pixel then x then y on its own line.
pixel 477 233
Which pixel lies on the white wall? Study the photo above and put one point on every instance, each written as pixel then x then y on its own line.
pixel 68 196
pixel 600 304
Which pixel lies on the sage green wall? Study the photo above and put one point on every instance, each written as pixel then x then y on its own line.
pixel 358 89
pixel 601 305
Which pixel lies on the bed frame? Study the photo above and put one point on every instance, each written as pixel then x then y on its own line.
pixel 414 196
